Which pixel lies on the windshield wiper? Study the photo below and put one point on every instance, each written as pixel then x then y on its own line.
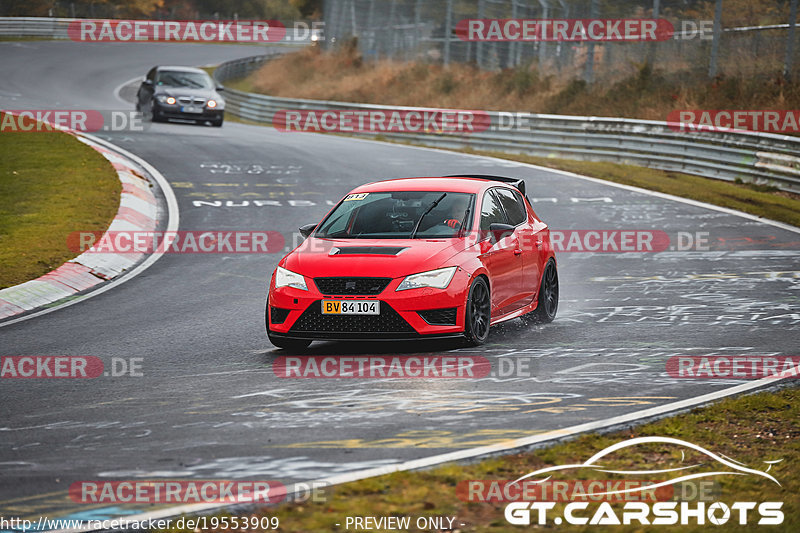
pixel 463 229
pixel 430 208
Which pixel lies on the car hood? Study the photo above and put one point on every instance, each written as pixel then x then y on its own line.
pixel 186 91
pixel 391 258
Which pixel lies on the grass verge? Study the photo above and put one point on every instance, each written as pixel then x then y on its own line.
pixel 749 429
pixel 51 184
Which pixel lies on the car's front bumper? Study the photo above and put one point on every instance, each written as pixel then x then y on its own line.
pixel 411 314
pixel 167 111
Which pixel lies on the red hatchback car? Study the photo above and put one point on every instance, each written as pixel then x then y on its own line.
pixel 416 258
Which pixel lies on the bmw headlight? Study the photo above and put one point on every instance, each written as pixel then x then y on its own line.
pixel 212 104
pixel 287 278
pixel 164 99
pixel 438 279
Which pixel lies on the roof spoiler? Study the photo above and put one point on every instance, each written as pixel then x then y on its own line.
pixel 516 182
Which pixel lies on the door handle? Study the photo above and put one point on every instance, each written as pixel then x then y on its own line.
pixel 517 251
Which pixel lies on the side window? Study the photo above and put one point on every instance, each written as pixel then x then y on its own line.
pixel 152 74
pixel 513 208
pixel 491 211
pixel 522 202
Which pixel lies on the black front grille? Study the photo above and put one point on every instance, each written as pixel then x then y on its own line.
pixel 313 322
pixel 278 315
pixel 351 286
pixel 439 317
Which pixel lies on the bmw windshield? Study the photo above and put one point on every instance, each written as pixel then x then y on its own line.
pixel 399 215
pixel 180 79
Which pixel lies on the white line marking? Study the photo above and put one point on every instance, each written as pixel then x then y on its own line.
pixel 121 85
pixel 172 225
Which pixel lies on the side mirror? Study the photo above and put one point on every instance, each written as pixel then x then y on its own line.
pixel 220 88
pixel 500 231
pixel 307 230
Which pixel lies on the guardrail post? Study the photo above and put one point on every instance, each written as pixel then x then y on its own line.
pixel 712 67
pixel 787 60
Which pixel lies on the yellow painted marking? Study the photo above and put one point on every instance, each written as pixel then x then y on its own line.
pixel 426 439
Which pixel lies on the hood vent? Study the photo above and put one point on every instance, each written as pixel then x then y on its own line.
pixel 367 250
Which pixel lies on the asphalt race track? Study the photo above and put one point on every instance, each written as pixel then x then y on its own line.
pixel 208 404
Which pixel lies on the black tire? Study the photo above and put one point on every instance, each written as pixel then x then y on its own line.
pixel 217 123
pixel 150 115
pixel 291 345
pixel 478 312
pixel 547 307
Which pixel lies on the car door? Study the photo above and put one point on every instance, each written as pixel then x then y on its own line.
pixel 146 89
pixel 500 257
pixel 528 232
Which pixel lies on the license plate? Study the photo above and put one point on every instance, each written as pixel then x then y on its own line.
pixel 191 109
pixel 350 307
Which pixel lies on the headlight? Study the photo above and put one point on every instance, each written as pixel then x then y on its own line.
pixel 212 104
pixel 287 278
pixel 438 279
pixel 166 99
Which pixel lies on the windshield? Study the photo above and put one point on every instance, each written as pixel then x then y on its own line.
pixel 398 215
pixel 191 80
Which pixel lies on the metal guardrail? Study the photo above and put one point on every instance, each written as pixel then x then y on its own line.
pixel 748 156
pixel 55 28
